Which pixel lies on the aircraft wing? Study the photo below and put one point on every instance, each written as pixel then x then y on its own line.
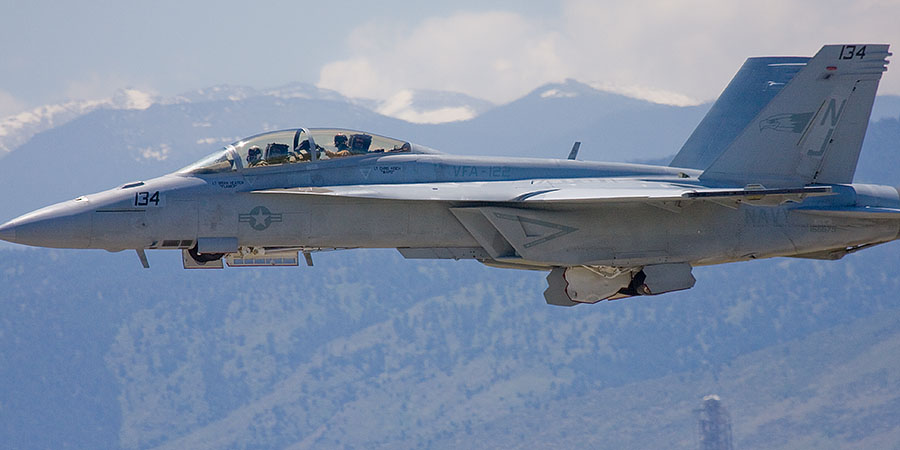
pixel 582 190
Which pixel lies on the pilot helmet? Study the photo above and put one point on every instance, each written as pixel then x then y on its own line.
pixel 340 139
pixel 254 153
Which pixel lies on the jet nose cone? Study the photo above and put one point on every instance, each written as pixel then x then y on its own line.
pixel 8 232
pixel 60 226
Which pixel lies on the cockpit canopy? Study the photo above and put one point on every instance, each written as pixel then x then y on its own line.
pixel 295 146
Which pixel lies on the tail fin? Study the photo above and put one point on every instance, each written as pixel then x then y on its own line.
pixel 811 131
pixel 757 82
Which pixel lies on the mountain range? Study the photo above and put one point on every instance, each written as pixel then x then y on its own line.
pixel 116 145
pixel 367 349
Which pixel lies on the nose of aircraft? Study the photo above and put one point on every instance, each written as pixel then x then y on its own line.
pixel 64 225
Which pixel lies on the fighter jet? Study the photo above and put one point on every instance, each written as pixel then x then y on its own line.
pixel 767 173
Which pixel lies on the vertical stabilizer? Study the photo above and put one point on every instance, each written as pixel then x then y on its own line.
pixel 812 131
pixel 757 82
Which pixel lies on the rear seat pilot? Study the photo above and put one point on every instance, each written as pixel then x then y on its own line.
pixel 340 143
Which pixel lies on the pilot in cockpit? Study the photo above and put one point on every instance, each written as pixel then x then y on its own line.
pixel 254 156
pixel 357 144
pixel 340 143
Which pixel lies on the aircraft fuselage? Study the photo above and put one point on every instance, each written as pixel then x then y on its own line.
pixel 176 211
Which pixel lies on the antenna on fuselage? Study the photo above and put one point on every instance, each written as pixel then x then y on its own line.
pixel 574 153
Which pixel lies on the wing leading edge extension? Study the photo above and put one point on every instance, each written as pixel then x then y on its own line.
pixel 559 191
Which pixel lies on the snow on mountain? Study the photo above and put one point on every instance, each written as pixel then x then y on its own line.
pixel 429 106
pixel 571 88
pixel 214 93
pixel 225 92
pixel 422 106
pixel 582 101
pixel 653 95
pixel 546 121
pixel 131 99
pixel 567 89
pixel 413 106
pixel 305 91
pixel 17 129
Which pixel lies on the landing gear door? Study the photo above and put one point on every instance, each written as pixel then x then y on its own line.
pixel 191 263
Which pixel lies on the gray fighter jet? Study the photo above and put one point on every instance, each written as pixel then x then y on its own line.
pixel 768 172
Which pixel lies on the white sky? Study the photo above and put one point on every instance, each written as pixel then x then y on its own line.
pixel 678 51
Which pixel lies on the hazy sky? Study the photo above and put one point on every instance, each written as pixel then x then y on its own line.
pixel 675 51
